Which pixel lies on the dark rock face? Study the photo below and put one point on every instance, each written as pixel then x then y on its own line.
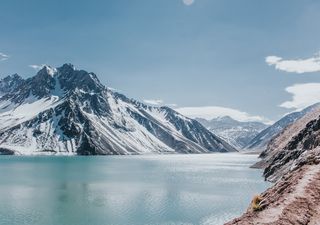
pixel 39 86
pixel 292 146
pixel 4 151
pixel 292 161
pixel 261 141
pixel 297 151
pixel 68 111
pixel 71 79
pixel 308 138
pixel 10 83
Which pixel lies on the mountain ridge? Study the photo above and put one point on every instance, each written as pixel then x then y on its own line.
pixel 68 111
pixel 236 133
pixel 260 142
pixel 292 162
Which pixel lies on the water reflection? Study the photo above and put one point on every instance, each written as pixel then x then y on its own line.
pixel 136 190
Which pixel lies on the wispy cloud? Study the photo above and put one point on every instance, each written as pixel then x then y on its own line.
pixel 212 112
pixel 173 105
pixel 114 89
pixel 37 67
pixel 3 56
pixel 159 102
pixel 153 101
pixel 303 95
pixel 188 2
pixel 295 65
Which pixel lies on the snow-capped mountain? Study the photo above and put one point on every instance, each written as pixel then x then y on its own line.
pixel 10 83
pixel 68 111
pixel 260 142
pixel 236 133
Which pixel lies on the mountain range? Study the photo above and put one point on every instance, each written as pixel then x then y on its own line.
pixel 69 111
pixel 236 133
pixel 260 142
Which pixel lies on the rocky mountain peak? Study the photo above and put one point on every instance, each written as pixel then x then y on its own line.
pixel 68 111
pixel 47 71
pixel 71 79
pixel 51 81
pixel 10 82
pixel 13 77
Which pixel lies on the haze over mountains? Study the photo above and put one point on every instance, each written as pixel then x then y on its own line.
pixel 68 111
pixel 251 136
pixel 236 133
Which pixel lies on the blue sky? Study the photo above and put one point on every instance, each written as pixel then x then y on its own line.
pixel 207 54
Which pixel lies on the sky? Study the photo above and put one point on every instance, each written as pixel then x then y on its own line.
pixel 254 60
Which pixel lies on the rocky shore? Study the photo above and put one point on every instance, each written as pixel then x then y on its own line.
pixel 292 162
pixel 292 200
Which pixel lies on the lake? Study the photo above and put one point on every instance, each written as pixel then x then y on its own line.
pixel 127 190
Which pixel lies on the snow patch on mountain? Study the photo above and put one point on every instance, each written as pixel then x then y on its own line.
pixel 260 142
pixel 68 111
pixel 236 133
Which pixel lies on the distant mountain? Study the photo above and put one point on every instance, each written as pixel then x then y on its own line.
pixel 68 111
pixel 260 142
pixel 236 133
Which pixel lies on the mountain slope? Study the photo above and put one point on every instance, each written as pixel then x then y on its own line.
pixel 68 111
pixel 236 133
pixel 260 142
pixel 295 145
pixel 10 83
pixel 292 161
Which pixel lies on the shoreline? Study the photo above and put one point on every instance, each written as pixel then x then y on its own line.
pixel 41 154
pixel 291 200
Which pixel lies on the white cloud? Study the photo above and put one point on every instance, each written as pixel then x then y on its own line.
pixel 303 95
pixel 188 2
pixel 37 67
pixel 153 101
pixel 172 105
pixel 211 112
pixel 159 102
pixel 296 65
pixel 3 56
pixel 114 89
pixel 272 60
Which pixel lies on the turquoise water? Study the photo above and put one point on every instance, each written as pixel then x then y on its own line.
pixel 127 190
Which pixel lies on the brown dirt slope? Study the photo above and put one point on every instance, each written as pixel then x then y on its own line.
pixel 292 200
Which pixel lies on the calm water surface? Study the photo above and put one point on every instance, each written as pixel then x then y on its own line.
pixel 127 190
